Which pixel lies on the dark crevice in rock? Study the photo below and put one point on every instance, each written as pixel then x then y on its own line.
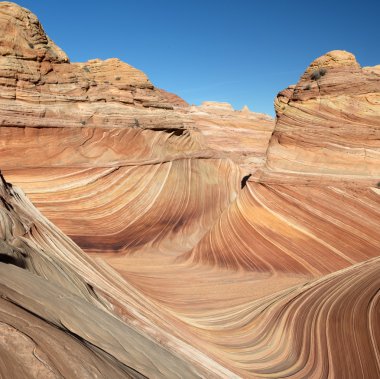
pixel 244 180
pixel 8 206
pixel 12 260
pixel 173 131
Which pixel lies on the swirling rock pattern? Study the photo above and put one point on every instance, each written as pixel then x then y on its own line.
pixel 69 129
pixel 283 228
pixel 215 243
pixel 122 209
pixel 48 292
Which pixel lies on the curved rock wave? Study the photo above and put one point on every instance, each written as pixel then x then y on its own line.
pixel 49 288
pixel 327 328
pixel 283 228
pixel 212 246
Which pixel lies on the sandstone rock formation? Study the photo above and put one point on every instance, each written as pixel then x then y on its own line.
pixel 318 183
pixel 105 124
pixel 56 314
pixel 328 124
pixel 215 243
pixel 243 135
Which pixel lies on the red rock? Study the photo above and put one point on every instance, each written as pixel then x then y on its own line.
pixel 190 267
pixel 329 126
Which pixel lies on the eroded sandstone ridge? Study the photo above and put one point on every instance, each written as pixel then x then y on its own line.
pixel 193 241
pixel 328 124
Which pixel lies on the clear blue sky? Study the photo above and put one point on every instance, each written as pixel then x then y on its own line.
pixel 239 51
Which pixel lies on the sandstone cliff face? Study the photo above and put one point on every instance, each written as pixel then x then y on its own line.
pixel 242 135
pixel 311 208
pixel 102 124
pixel 186 269
pixel 328 124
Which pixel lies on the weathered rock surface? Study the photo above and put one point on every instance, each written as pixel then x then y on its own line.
pixel 190 267
pixel 312 208
pixel 105 124
pixel 56 309
pixel 328 124
pixel 310 230
pixel 242 135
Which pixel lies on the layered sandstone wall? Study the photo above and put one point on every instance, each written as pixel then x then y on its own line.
pixel 187 270
pixel 328 123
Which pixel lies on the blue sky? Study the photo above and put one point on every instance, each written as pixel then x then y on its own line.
pixel 238 51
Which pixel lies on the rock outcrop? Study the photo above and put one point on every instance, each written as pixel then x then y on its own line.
pixel 193 241
pixel 102 124
pixel 313 206
pixel 243 136
pixel 328 124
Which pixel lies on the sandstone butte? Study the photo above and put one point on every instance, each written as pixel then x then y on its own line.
pixel 144 237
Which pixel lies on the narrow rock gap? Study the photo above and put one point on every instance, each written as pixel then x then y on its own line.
pixel 12 260
pixel 245 180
